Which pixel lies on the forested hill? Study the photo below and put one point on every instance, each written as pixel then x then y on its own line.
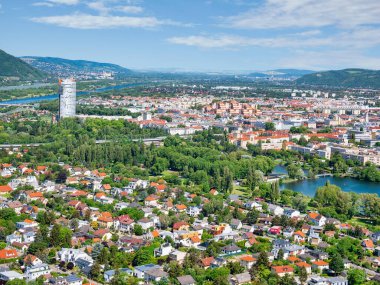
pixel 13 68
pixel 61 66
pixel 348 78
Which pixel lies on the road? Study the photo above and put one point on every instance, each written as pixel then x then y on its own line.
pixel 368 271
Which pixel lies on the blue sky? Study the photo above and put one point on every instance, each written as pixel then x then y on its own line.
pixel 203 35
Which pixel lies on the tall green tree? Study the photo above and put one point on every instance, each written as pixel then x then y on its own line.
pixel 336 264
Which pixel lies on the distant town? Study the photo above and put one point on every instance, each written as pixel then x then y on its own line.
pixel 190 183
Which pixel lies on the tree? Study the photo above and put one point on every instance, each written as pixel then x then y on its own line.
pixel 356 276
pixel 254 178
pixel 228 180
pixel 95 270
pixel 270 126
pixel 336 264
pixel 262 260
pixel 55 235
pixel 138 230
pixel 274 194
pixel 303 275
pixel 280 254
pixel 142 256
pixel 252 217
pixel 294 171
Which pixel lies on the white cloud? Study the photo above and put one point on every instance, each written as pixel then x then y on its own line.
pixel 329 60
pixel 358 38
pixel 87 21
pixel 131 9
pixel 230 41
pixel 104 8
pixel 307 13
pixel 65 2
pixel 46 4
pixel 52 3
pixel 99 6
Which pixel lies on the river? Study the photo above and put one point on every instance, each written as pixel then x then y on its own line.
pixel 309 186
pixel 55 96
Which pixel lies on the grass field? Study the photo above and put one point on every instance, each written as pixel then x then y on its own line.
pixel 365 223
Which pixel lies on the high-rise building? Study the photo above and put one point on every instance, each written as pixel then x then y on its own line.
pixel 67 98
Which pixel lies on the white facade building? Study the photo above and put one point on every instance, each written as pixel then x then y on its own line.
pixel 67 98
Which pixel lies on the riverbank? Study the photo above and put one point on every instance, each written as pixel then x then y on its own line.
pixel 347 184
pixel 309 186
pixel 30 99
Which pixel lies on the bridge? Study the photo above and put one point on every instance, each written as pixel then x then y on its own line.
pixel 324 175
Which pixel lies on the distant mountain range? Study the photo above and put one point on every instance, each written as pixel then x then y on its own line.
pixel 348 78
pixel 281 73
pixel 14 69
pixel 67 67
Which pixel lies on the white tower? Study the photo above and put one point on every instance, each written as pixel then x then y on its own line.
pixel 67 98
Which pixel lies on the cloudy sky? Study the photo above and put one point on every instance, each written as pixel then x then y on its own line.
pixel 213 35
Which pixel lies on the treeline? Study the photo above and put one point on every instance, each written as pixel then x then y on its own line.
pixel 23 132
pixel 53 106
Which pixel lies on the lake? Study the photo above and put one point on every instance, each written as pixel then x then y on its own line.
pixel 309 186
pixel 55 96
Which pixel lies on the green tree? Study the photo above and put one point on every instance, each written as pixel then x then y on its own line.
pixel 356 276
pixel 262 260
pixel 294 171
pixel 95 270
pixel 138 230
pixel 303 275
pixel 55 235
pixel 270 126
pixel 336 264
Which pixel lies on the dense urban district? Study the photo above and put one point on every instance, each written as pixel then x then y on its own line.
pixel 173 182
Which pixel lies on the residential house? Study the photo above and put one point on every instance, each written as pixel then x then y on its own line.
pixel 247 261
pixel 231 249
pixel 35 271
pixel 8 275
pixel 139 271
pixel 8 254
pixel 305 265
pixel 317 219
pixel 155 275
pixel 164 250
pixel 275 210
pixel 320 265
pixel 291 213
pixel 109 274
pixel 186 280
pixel 239 279
pixel 282 270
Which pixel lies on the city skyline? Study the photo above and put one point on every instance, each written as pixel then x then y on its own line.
pixel 214 35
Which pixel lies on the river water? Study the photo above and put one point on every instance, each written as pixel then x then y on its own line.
pixel 309 186
pixel 81 93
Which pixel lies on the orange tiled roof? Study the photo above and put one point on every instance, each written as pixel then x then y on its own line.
pixel 320 263
pixel 5 188
pixel 8 253
pixel 248 258
pixel 283 269
pixel 303 264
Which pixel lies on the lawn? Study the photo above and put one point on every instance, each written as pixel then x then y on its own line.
pixel 241 191
pixel 365 223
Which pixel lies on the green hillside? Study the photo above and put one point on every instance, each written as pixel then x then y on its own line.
pixel 13 68
pixel 68 67
pixel 348 78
